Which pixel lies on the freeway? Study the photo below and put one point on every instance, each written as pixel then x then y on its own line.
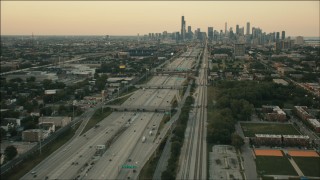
pixel 193 159
pixel 129 150
pixel 121 132
pixel 70 157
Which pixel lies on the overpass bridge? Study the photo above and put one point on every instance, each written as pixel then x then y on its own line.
pixel 140 108
pixel 160 86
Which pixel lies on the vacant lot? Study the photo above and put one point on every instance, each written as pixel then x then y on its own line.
pixel 309 165
pixel 250 129
pixel 272 165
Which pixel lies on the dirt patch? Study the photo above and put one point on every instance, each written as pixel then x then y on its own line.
pixel 267 152
pixel 303 153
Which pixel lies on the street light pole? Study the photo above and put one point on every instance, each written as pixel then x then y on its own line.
pixel 40 135
pixel 73 104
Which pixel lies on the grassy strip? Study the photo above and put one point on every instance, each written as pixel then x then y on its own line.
pixel 177 141
pixel 20 170
pixel 272 165
pixel 250 129
pixel 119 101
pixel 164 120
pixel 145 80
pixel 309 165
pixel 96 118
pixel 148 169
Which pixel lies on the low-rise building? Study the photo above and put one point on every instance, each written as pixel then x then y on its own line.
pixel 268 139
pixel 295 140
pixel 48 126
pixel 302 113
pixel 58 121
pixel 8 123
pixel 285 70
pixel 220 56
pixel 245 77
pixel 274 113
pixel 315 124
pixel 280 81
pixel 34 135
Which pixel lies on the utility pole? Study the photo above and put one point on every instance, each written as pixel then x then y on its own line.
pixel 40 134
pixel 73 104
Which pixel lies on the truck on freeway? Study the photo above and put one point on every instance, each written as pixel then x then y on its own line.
pixel 143 139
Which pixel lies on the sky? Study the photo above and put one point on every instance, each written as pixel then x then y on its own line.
pixel 297 18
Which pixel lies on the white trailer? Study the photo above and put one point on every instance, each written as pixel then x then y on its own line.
pixel 143 139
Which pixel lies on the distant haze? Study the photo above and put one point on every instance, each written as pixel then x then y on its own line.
pixel 133 17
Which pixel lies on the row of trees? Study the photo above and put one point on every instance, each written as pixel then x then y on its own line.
pixel 177 141
pixel 262 93
pixel 225 108
pixel 9 153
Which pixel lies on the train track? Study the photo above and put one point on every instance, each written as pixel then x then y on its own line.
pixel 193 157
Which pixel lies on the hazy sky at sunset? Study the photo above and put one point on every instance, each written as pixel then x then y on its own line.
pixel 131 18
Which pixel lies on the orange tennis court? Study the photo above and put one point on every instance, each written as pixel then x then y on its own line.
pixel 303 153
pixel 268 152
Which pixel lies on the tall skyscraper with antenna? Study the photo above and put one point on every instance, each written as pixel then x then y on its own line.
pixel 183 28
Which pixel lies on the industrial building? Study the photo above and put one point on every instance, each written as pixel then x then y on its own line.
pixel 59 121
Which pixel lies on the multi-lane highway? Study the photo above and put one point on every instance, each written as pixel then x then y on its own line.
pixel 193 159
pixel 121 133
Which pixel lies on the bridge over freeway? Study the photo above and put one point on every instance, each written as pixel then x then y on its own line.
pixel 160 86
pixel 140 108
pixel 174 71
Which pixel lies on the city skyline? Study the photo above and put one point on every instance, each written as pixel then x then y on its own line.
pixel 129 18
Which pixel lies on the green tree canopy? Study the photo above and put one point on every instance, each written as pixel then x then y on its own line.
pixel 237 141
pixel 10 152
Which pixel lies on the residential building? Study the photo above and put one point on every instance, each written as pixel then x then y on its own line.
pixel 302 112
pixel 274 113
pixel 315 124
pixel 295 140
pixel 267 139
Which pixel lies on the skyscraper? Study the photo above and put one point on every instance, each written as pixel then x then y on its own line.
pixel 278 36
pixel 183 28
pixel 189 32
pixel 237 29
pixel 248 28
pixel 210 33
pixel 283 35
pixel 225 28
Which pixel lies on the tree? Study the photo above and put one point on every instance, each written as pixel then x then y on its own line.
pixel 46 111
pixel 3 133
pixel 46 83
pixel 237 141
pixel 12 130
pixel 175 148
pixel 101 82
pixel 168 175
pixel 30 122
pixel 10 152
pixel 31 79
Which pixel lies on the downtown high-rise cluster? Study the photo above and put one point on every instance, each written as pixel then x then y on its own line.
pixel 247 35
